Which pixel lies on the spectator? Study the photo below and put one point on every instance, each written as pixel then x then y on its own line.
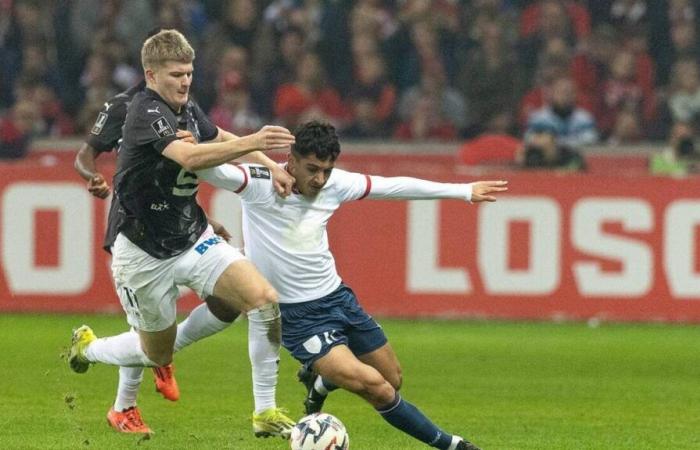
pixel 309 97
pixel 126 20
pixel 426 121
pixel 681 157
pixel 589 66
pixel 684 102
pixel 622 92
pixel 684 38
pixel 16 130
pixel 488 79
pixel 554 28
pixel 268 75
pixel 546 16
pixel 571 126
pixel 233 111
pixel 450 104
pixel 373 99
pixel 544 151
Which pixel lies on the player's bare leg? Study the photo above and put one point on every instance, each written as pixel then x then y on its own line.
pixel 158 345
pixel 317 389
pixel 205 320
pixel 385 361
pixel 242 287
pixel 341 367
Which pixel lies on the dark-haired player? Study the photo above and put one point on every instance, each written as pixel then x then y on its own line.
pixel 323 324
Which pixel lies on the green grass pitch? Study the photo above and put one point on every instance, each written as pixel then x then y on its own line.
pixel 503 385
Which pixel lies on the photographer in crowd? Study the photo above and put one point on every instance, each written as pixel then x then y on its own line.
pixel 556 132
pixel 681 157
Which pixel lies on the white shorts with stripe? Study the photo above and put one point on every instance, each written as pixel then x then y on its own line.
pixel 147 286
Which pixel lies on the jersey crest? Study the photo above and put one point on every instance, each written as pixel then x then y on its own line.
pixel 99 124
pixel 162 127
pixel 260 172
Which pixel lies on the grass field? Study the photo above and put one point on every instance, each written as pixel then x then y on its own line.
pixel 504 385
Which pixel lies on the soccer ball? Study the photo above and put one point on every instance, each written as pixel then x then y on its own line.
pixel 319 431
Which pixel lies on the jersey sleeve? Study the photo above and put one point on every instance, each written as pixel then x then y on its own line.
pixel 150 123
pixel 253 183
pixel 107 129
pixel 408 188
pixel 350 185
pixel 207 129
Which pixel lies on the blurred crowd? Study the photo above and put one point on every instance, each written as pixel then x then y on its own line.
pixel 575 72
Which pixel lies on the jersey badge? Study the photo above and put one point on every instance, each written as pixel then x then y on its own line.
pixel 162 127
pixel 99 124
pixel 259 172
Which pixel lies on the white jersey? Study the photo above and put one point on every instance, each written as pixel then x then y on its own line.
pixel 286 238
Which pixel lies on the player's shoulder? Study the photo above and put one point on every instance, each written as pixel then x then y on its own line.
pixel 340 178
pixel 121 101
pixel 148 105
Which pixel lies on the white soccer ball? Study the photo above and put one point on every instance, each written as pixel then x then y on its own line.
pixel 319 431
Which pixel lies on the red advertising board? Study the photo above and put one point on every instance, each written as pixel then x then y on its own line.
pixel 557 246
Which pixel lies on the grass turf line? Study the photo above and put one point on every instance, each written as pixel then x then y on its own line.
pixel 503 385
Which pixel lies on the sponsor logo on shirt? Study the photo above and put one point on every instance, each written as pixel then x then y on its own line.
pixel 155 110
pixel 204 246
pixel 162 127
pixel 162 206
pixel 99 123
pixel 259 172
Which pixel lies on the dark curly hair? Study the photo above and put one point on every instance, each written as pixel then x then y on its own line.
pixel 317 138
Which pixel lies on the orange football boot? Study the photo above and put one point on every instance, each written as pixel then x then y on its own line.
pixel 127 421
pixel 166 384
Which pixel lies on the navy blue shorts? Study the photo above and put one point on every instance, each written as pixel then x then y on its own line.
pixel 311 329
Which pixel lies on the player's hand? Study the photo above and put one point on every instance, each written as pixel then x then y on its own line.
pixel 186 136
pixel 282 181
pixel 220 230
pixel 98 187
pixel 481 190
pixel 272 137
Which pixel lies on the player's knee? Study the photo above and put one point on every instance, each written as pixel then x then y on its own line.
pixel 382 393
pixel 376 389
pixel 396 379
pixel 221 309
pixel 262 296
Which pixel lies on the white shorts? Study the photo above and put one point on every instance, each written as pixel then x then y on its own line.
pixel 147 286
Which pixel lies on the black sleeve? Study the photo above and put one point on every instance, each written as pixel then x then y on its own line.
pixel 150 123
pixel 107 130
pixel 207 129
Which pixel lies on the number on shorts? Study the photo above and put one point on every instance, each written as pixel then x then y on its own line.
pixel 187 184
pixel 131 297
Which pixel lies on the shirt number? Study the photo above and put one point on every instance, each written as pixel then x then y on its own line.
pixel 187 184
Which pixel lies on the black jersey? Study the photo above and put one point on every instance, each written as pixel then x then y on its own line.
pixel 162 215
pixel 106 135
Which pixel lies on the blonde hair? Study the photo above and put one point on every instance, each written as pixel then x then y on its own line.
pixel 165 46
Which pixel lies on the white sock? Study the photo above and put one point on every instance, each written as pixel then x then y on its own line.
pixel 320 387
pixel 120 350
pixel 129 382
pixel 264 327
pixel 455 440
pixel 201 323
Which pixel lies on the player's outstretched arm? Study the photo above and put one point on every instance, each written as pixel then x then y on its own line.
pixel 193 157
pixel 408 188
pixel 87 168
